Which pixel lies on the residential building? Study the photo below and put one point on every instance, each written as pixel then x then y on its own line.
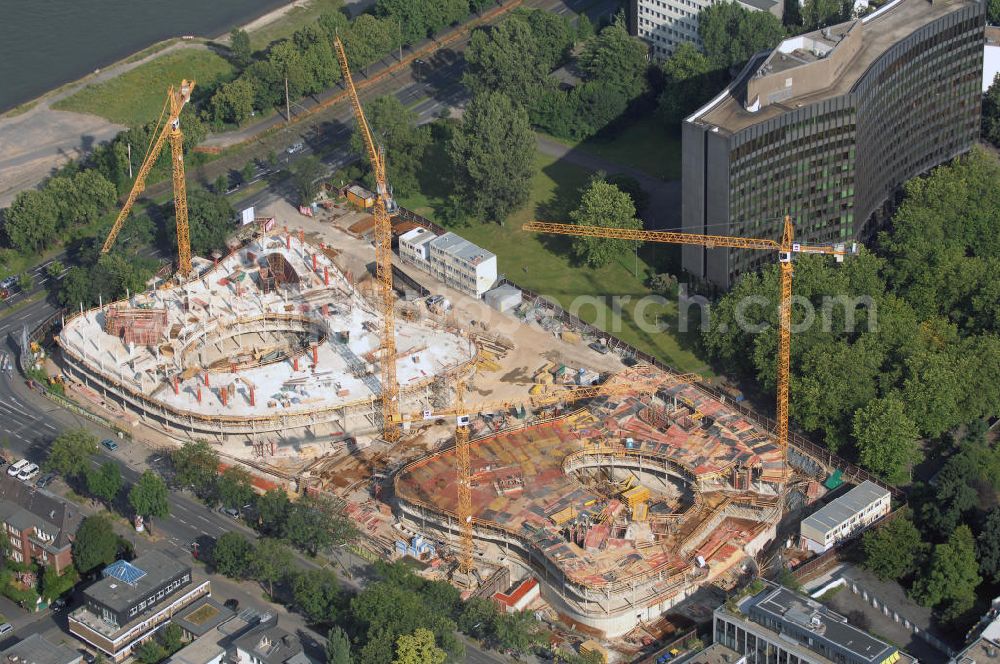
pixel 39 526
pixel 132 601
pixel 666 24
pixel 220 635
pixel 980 651
pixel 36 649
pixel 268 644
pixel 827 127
pixel 777 625
pixel 845 516
pixel 413 246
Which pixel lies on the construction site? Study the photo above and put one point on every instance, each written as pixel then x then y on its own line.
pixel 616 488
pixel 270 344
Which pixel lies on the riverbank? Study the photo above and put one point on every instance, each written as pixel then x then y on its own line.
pixel 38 138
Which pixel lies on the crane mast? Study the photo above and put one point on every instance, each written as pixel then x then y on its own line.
pixel 383 208
pixel 176 99
pixel 785 248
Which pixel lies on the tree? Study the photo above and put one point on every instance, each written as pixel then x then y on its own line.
pixel 95 544
pixel 150 652
pixel 818 14
pixel 893 551
pixel 233 555
pixel 171 638
pixel 338 646
pixel 148 496
pixel 25 282
pixel 887 438
pixel 603 204
pixel 506 58
pixel 233 102
pixel 70 452
pixel 221 184
pixel 949 582
pixel 584 28
pixel 54 269
pixel 239 48
pixel 210 218
pixel 988 546
pixel 54 584
pixel 418 648
pixel 234 487
pixel 395 128
pixel 369 39
pixel 272 508
pixel 312 524
pixel 305 176
pixel 317 595
pixel 271 562
pixel 247 172
pixel 991 105
pixel 105 483
pixel 993 12
pixel 30 221
pixel 195 464
pixel 731 34
pixel 493 156
pixel 689 80
pixel 617 59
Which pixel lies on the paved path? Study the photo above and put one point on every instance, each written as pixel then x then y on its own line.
pixel 664 209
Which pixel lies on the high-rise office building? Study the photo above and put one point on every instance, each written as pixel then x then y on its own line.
pixel 828 126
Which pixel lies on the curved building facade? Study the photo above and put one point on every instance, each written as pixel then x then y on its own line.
pixel 828 126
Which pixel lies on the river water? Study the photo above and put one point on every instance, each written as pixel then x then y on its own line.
pixel 45 43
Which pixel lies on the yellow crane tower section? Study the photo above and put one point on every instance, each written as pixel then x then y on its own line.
pixel 786 248
pixel 383 208
pixel 176 99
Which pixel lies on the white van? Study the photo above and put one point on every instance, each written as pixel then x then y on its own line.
pixel 28 472
pixel 15 468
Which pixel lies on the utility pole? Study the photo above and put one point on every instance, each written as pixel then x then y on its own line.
pixel 288 107
pixel 129 160
pixel 400 22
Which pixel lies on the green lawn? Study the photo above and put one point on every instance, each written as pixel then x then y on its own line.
pixel 296 18
pixel 543 264
pixel 137 96
pixel 644 144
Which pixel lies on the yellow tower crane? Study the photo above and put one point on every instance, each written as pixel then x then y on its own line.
pixel 463 417
pixel 383 209
pixel 176 99
pixel 786 247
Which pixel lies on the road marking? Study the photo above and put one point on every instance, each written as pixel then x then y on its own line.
pixel 49 426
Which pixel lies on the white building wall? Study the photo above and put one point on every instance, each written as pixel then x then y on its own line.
pixel 666 24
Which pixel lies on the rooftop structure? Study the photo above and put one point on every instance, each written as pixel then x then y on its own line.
pixel 39 526
pixel 35 649
pixel 269 644
pixel 563 495
pixel 782 621
pixel 828 126
pixel 271 341
pixel 132 601
pixel 462 264
pixel 981 651
pixel 845 516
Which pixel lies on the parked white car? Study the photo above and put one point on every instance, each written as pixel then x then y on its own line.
pixel 28 472
pixel 16 467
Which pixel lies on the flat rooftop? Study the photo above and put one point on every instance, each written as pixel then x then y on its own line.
pixel 156 569
pixel 880 31
pixel 796 612
pixel 35 649
pixel 460 248
pixel 841 509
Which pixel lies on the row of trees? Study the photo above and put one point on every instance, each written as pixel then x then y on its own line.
pixel 911 343
pixel 70 455
pixel 307 60
pixel 948 545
